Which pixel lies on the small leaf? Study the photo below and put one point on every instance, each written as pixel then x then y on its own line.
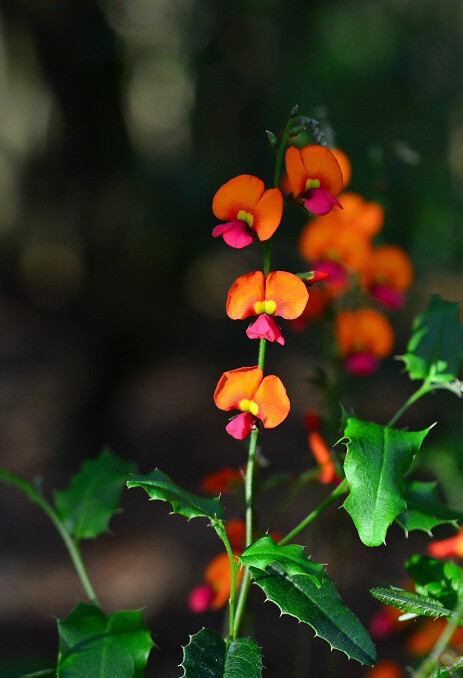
pixel 435 349
pixel 290 557
pixel 440 580
pixel 93 495
pixel 96 646
pixel 412 603
pixel 320 607
pixel 206 655
pixel 424 509
pixel 159 486
pixel 272 139
pixel 377 459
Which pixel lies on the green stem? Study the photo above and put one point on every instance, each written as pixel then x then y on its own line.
pixel 421 391
pixel 71 545
pixel 220 529
pixel 281 150
pixel 340 489
pixel 431 661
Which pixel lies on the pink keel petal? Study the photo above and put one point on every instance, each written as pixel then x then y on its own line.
pixel 319 201
pixel 359 364
pixel 235 233
pixel 265 328
pixel 200 598
pixel 380 626
pixel 336 272
pixel 387 296
pixel 240 426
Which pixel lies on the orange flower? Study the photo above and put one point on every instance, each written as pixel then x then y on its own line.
pixel 385 669
pixel 276 294
pixel 322 456
pixel 236 533
pixel 217 577
pixel 256 396
pixel 387 273
pixel 362 338
pixel 318 301
pixel 314 177
pixel 365 218
pixel 248 210
pixel 344 164
pixel 446 548
pixel 425 637
pixel 223 481
pixel 327 240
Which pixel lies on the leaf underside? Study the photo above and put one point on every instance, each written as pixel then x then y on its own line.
pixel 409 602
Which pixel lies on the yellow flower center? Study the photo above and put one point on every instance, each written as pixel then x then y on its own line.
pixel 312 183
pixel 332 254
pixel 268 306
pixel 248 406
pixel 246 217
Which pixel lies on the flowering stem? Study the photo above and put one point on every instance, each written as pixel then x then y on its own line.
pixel 423 389
pixel 431 661
pixel 340 489
pixel 220 529
pixel 71 545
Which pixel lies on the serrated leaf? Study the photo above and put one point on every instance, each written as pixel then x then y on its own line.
pixel 159 486
pixel 87 505
pixel 94 645
pixel 318 606
pixel 377 459
pixel 409 602
pixel 424 509
pixel 207 655
pixel 435 347
pixel 290 557
pixel 440 580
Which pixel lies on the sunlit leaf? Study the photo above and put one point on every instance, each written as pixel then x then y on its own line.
pixel 87 505
pixel 290 557
pixel 94 645
pixel 159 486
pixel 412 603
pixel 320 606
pixel 377 459
pixel 424 509
pixel 206 655
pixel 437 579
pixel 435 348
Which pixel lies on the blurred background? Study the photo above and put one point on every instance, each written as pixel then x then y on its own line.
pixel 119 119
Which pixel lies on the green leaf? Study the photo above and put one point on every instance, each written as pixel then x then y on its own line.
pixel 440 580
pixel 290 557
pixel 377 459
pixel 93 495
pixel 206 655
pixel 159 486
pixel 96 646
pixel 412 603
pixel 435 349
pixel 424 509
pixel 319 606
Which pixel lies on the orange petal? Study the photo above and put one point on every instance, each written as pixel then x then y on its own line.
pixel 272 401
pixel 222 481
pixel 321 164
pixel 363 330
pixel 267 213
pixel 288 292
pixel 323 239
pixel 322 456
pixel 244 293
pixel 385 669
pixel 296 175
pixel 344 164
pixel 236 533
pixel 345 331
pixel 388 265
pixel 217 576
pixel 235 385
pixel 240 193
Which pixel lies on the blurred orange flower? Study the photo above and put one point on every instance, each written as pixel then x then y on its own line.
pixel 362 338
pixel 223 481
pixel 365 218
pixel 314 177
pixel 248 210
pixel 446 548
pixel 260 397
pixel 236 533
pixel 425 637
pixel 327 240
pixel 387 273
pixel 217 577
pixel 322 456
pixel 385 668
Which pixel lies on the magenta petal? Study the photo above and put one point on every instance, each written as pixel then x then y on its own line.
pixel 319 201
pixel 264 327
pixel 200 598
pixel 240 426
pixel 335 272
pixel 235 233
pixel 387 296
pixel 359 364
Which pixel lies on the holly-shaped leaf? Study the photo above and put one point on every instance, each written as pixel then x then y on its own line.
pixel 96 646
pixel 159 486
pixel 435 349
pixel 424 509
pixel 413 604
pixel 207 655
pixel 87 505
pixel 320 606
pixel 377 459
pixel 290 557
pixel 438 579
